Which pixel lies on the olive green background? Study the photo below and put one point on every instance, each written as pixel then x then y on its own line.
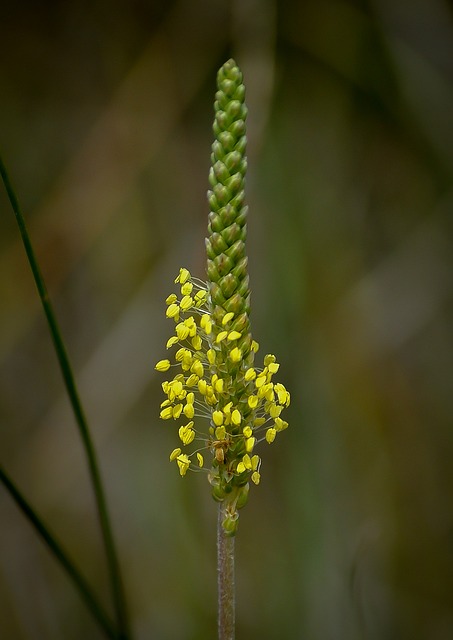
pixel 105 125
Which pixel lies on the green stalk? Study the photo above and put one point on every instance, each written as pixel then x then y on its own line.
pixel 216 354
pixel 68 377
pixel 225 579
pixel 74 574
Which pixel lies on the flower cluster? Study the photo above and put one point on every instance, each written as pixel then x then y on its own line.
pixel 216 379
pixel 239 403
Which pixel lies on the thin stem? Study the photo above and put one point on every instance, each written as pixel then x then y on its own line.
pixel 68 377
pixel 225 580
pixel 79 581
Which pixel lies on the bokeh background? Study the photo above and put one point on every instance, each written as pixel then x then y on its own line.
pixel 105 125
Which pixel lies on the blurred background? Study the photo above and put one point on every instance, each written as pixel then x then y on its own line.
pixel 105 126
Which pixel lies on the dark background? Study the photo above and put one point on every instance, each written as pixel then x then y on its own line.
pixel 105 125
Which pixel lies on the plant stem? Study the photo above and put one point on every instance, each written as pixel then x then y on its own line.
pixel 225 579
pixel 71 388
pixel 67 564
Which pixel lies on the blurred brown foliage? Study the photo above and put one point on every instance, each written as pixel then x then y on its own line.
pixel 105 116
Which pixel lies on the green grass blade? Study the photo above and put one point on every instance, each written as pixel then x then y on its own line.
pixel 68 376
pixel 78 580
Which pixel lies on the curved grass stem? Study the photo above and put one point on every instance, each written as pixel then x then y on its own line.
pixel 71 388
pixel 55 547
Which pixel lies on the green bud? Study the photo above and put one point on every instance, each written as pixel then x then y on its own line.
pixel 243 496
pixel 230 526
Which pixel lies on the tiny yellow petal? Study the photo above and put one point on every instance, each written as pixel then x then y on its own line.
pixel 166 413
pixel 280 424
pixel 183 277
pixel 220 433
pixel 270 395
pixel 182 331
pixel 189 410
pixel 211 399
pixel 275 410
pixel 270 435
pixel 197 368
pixel 236 417
pixel 186 434
pixel 163 365
pixel 174 454
pixel 202 387
pixel 171 341
pixel 183 463
pixel 200 460
pixel 172 311
pixel 255 462
pixel 256 477
pixel 192 380
pixel 171 298
pixel 255 346
pixel 217 418
pixel 211 356
pixel 200 297
pixel 221 336
pixel 247 431
pixel 234 335
pixel 227 317
pixel 179 355
pixel 176 386
pixel 250 374
pixel 186 303
pixel 186 289
pixel 253 402
pixel 249 444
pixel 204 320
pixel 261 379
pixel 235 355
pixel 177 409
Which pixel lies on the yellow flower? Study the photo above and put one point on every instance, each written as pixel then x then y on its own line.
pixel 222 385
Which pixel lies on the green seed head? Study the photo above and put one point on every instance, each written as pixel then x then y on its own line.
pixel 225 244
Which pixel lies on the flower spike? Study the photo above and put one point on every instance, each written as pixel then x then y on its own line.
pixel 231 404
